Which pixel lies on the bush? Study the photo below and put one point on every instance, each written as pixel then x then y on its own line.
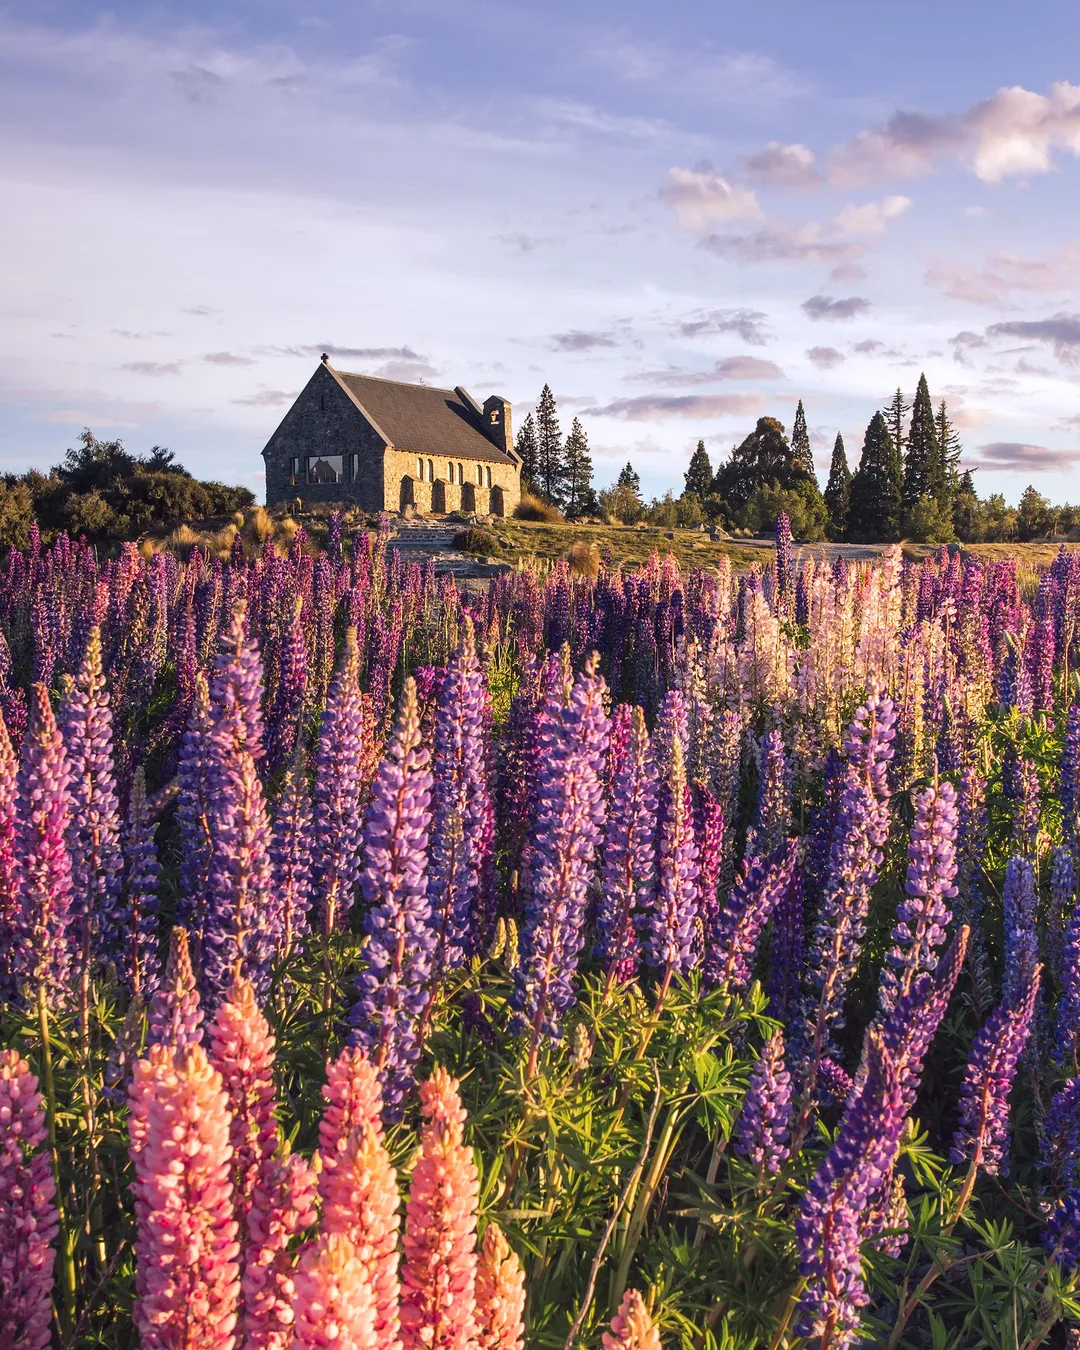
pixel 929 522
pixel 535 508
pixel 621 504
pixel 803 504
pixel 478 541
pixel 688 511
pixel 583 559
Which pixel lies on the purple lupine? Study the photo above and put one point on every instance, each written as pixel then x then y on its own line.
pixel 342 761
pixel 1062 1234
pixel 461 812
pixel 731 949
pixel 709 827
pixel 94 831
pixel 1069 789
pixel 764 1128
pixel 1062 902
pixel 1061 1134
pixel 9 870
pixel 785 566
pixel 44 956
pixel 672 724
pixel 1068 1008
pixel 176 1016
pixel 629 876
pixel 772 821
pixel 287 708
pixel 194 808
pixel 290 856
pixel 982 1133
pixel 786 948
pixel 566 833
pixel 399 942
pixel 133 939
pixel 923 915
pixel 828 1229
pixel 1018 903
pixel 668 924
pixel 1025 794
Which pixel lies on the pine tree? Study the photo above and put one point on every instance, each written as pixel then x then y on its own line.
pixel 550 460
pixel 699 476
pixel 528 452
pixel 923 469
pixel 895 412
pixel 800 442
pixel 875 503
pixel 630 478
pixel 949 450
pixel 838 490
pixel 965 508
pixel 580 497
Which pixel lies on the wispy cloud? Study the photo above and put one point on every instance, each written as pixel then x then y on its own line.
pixel 825 358
pixel 784 166
pixel 265 398
pixel 1002 273
pixel 227 359
pixel 1020 457
pixel 749 324
pixel 729 368
pixel 153 368
pixel 823 307
pixel 659 407
pixel 701 198
pixel 577 341
pixel 1061 332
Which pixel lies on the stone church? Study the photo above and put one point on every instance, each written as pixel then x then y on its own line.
pixel 387 446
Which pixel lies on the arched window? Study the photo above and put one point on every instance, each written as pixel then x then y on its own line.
pixel 430 471
pixel 489 475
pixel 420 469
pixel 480 475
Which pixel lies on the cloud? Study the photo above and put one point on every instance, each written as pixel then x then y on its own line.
pixel 227 359
pixel 700 198
pixel 200 310
pixel 868 347
pixel 749 324
pixel 197 84
pixel 784 166
pixel 965 342
pixel 153 367
pixel 1019 457
pixel 364 353
pixel 265 398
pixel 782 242
pixel 418 371
pixel 524 243
pixel 657 407
pixel 907 146
pixel 1003 273
pixel 872 217
pixel 138 337
pixel 576 341
pixel 729 368
pixel 1061 332
pixel 825 358
pixel 823 307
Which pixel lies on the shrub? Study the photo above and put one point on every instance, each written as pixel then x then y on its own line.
pixel 583 559
pixel 929 522
pixel 621 504
pixel 803 504
pixel 475 540
pixel 535 508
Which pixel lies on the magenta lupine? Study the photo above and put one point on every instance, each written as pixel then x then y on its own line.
pixel 982 1133
pixel 133 938
pixel 629 875
pixel 566 833
pixel 29 1221
pixel 9 871
pixel 290 857
pixel 1018 904
pixel 765 1123
pixel 709 827
pixel 731 949
pixel 399 942
pixel 44 955
pixel 668 924
pixel 176 1016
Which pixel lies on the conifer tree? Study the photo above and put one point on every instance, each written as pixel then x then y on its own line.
pixel 630 478
pixel 838 490
pixel 528 452
pixel 949 449
pixel 895 412
pixel 580 497
pixel 550 459
pixel 699 476
pixel 875 502
pixel 800 442
pixel 923 469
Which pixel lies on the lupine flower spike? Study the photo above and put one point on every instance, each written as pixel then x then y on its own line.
pixel 632 1328
pixel 500 1294
pixel 332 1304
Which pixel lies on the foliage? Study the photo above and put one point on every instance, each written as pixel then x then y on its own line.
pixel 476 540
pixel 837 495
pixel 802 504
pixel 580 497
pixel 699 475
pixel 929 522
pixel 875 499
pixel 533 508
pixel 763 457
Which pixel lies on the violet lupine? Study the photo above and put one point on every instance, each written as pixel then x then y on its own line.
pixel 566 832
pixel 176 1015
pixel 731 949
pixel 1026 793
pixel 668 925
pixel 772 821
pixel 1018 903
pixel 1061 1134
pixel 134 935
pixel 1069 788
pixel 332 1304
pixel 709 827
pixel 785 566
pixel 765 1123
pixel 290 857
pixel 982 1133
pixel 923 915
pixel 287 709
pixel 342 763
pixel 29 1221
pixel 194 809
pixel 188 1281
pixel 828 1229
pixel 1062 902
pixel 438 1274
pixel 399 942
pixel 1068 1008
pixel 9 870
pixel 283 1207
pixel 786 947
pixel 462 837
pixel 629 875
pixel 500 1294
pixel 631 1328
pixel 44 957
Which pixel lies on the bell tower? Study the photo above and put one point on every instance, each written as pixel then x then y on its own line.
pixel 497 427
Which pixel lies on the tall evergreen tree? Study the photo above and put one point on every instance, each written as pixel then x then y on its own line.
pixel 949 449
pixel 875 503
pixel 550 459
pixel 528 452
pixel 699 476
pixel 630 478
pixel 800 442
pixel 580 497
pixel 924 474
pixel 895 412
pixel 838 490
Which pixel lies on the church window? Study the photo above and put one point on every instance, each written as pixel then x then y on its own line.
pixel 480 475
pixel 296 470
pixel 420 469
pixel 326 469
pixel 430 471
pixel 488 471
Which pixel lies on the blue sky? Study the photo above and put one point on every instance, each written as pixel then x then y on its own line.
pixel 682 217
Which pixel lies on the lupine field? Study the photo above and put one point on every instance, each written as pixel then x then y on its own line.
pixel 671 959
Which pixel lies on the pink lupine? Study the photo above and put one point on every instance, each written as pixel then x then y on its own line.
pixel 242 1051
pixel 332 1303
pixel 28 1215
pixel 175 1014
pixel 500 1294
pixel 282 1207
pixel 438 1278
pixel 188 1279
pixel 352 1099
pixel 632 1327
pixel 9 896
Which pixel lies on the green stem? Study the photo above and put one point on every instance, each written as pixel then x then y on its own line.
pixel 67 1250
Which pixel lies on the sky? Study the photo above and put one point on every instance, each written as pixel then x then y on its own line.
pixel 682 217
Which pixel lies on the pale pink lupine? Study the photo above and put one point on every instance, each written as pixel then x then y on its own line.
pixel 438 1278
pixel 332 1302
pixel 188 1281
pixel 500 1294
pixel 28 1215
pixel 632 1327
pixel 242 1051
pixel 353 1098
pixel 282 1207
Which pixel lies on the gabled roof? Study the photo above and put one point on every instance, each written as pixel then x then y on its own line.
pixel 420 418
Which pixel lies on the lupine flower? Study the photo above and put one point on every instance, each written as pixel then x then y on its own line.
pixel 353 1099
pixel 188 1281
pixel 28 1216
pixel 1062 1234
pixel 287 709
pixel 438 1277
pixel 1062 902
pixel 282 1208
pixel 9 871
pixel 1018 901
pixel 1026 793
pixel 632 1328
pixel 290 857
pixel 1061 1134
pixel 194 808
pixel 44 955
pixel 135 933
pixel 1069 789
pixel 709 827
pixel 332 1304
pixel 176 1016
pixel 886 1223
pixel 668 924
pixel 766 1113
pixel 629 875
pixel 910 1027
pixel 984 1095
pixel 732 948
pixel 500 1294
pixel 393 986
pixel 786 947
pixel 772 822
pixel 567 830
